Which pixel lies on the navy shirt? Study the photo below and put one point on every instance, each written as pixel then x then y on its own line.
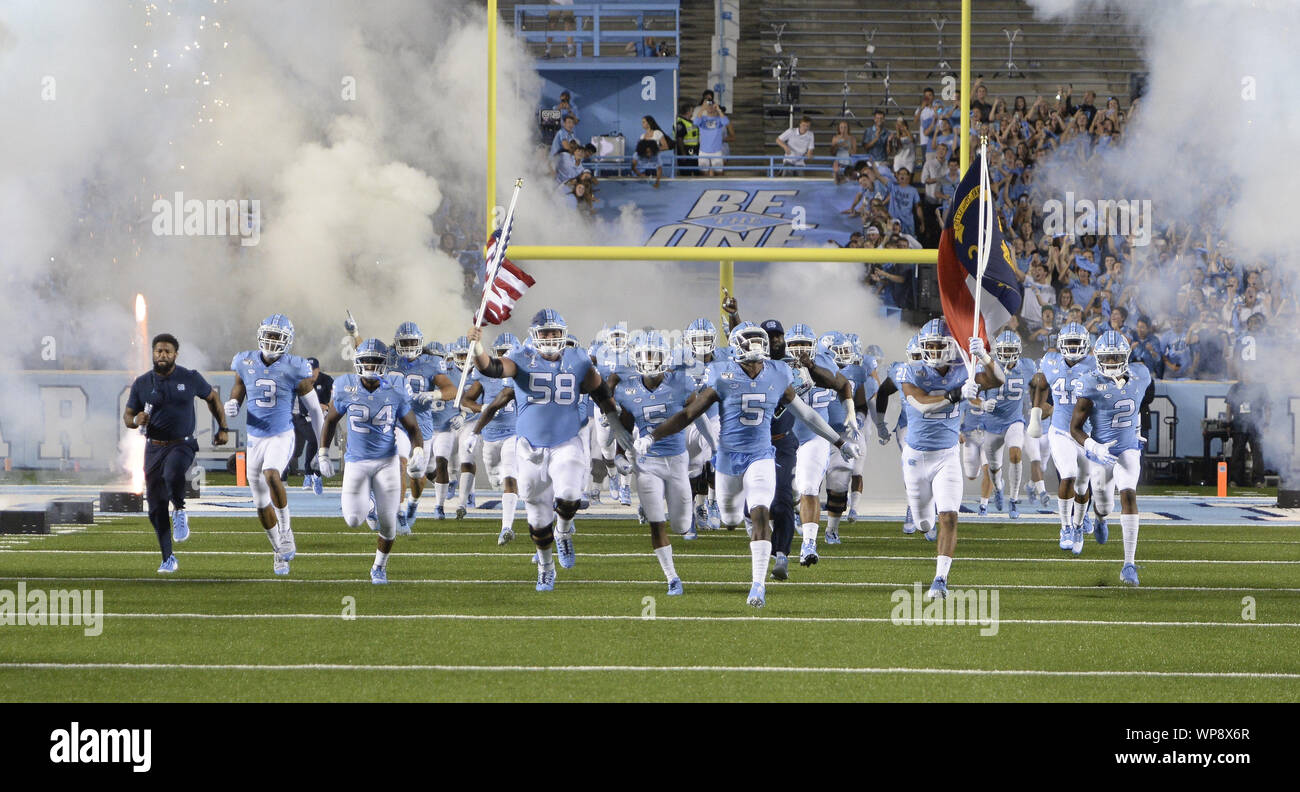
pixel 172 398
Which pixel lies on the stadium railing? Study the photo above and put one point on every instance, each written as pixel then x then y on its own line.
pixel 749 165
pixel 610 24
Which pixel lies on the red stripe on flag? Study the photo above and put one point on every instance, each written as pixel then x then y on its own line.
pixel 513 269
pixel 954 293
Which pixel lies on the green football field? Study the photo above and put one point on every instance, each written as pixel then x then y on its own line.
pixel 1217 618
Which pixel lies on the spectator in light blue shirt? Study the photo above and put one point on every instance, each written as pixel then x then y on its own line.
pixel 903 200
pixel 570 165
pixel 875 138
pixel 564 140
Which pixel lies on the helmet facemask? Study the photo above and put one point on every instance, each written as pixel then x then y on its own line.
pixel 751 344
pixel 273 341
pixel 552 344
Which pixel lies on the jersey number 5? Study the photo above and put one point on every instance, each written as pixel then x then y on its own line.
pixel 751 408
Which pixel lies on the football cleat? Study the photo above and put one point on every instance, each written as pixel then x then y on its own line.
pixel 403 525
pixel 378 575
pixel 909 525
pixel 757 595
pixel 1044 500
pixel 280 565
pixel 1067 538
pixel 932 534
pixel 1100 530
pixel 938 589
pixel 318 485
pixel 715 516
pixel 506 536
pixel 832 535
pixel 564 549
pixel 1012 511
pixel 545 578
pixel 999 500
pixel 439 513
pixel 593 497
pixel 288 548
pixel 691 533
pixel 625 495
pixel 460 512
pixel 1129 574
pixel 1076 540
pixel 984 510
pixel 613 489
pixel 780 567
pixel 808 552
pixel 1087 523
pixel 702 515
pixel 180 526
pixel 675 587
pixel 852 516
pixel 306 482
pixel 469 500
pixel 640 514
pixel 169 566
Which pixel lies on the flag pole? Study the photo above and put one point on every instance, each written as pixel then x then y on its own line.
pixel 498 256
pixel 984 228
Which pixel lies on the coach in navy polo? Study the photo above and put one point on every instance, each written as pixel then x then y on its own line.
pixel 161 401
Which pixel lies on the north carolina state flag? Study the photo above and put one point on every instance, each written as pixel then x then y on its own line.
pixel 958 266
pixel 509 282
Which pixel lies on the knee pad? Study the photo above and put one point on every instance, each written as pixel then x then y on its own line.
pixel 566 508
pixel 836 502
pixel 542 536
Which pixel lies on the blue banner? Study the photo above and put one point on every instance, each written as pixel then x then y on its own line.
pixel 736 212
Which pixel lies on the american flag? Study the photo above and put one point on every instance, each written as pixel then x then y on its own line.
pixel 508 282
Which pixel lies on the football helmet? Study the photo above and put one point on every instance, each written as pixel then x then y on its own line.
pixel 435 348
pixel 839 345
pixel 505 344
pixel 937 345
pixel 459 351
pixel 371 359
pixel 275 336
pixel 701 337
pixel 1007 348
pixel 800 342
pixel 650 353
pixel 749 342
pixel 914 349
pixel 616 337
pixel 1112 352
pixel 873 351
pixel 408 341
pixel 550 322
pixel 1073 342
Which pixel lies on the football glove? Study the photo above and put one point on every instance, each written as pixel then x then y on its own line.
pixel 1100 453
pixel 970 390
pixel 642 444
pixel 1035 429
pixel 415 463
pixel 323 464
pixel 850 451
pixel 623 465
pixel 882 432
pixel 232 408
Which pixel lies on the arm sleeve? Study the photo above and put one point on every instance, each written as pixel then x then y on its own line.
pixel 315 415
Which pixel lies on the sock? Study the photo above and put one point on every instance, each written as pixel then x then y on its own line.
pixel 440 493
pixel 984 503
pixel 412 503
pixel 942 565
pixel 665 555
pixel 1130 525
pixel 282 518
pixel 809 532
pixel 907 518
pixel 1080 512
pixel 508 502
pixel 545 557
pixel 1066 509
pixel 998 481
pixel 1017 471
pixel 833 522
pixel 563 526
pixel 760 552
pixel 381 559
pixel 853 501
pixel 466 486
pixel 272 534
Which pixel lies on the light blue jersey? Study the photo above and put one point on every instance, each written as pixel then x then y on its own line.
pixel 1114 415
pixel 686 360
pixel 547 393
pixel 897 373
pixel 937 430
pixel 443 410
pixel 418 375
pixel 860 375
pixel 649 408
pixel 1011 396
pixel 608 362
pixel 1066 383
pixel 371 415
pixel 272 390
pixel 820 399
pixel 502 425
pixel 745 411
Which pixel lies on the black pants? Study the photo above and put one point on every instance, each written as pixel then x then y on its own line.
pixel 164 480
pixel 303 438
pixel 1237 466
pixel 783 500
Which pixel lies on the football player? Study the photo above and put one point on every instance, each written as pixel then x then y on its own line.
pixel 822 383
pixel 747 390
pixel 496 425
pixel 861 370
pixel 447 421
pixel 1110 400
pixel 646 401
pixel 471 403
pixel 699 349
pixel 1054 389
pixel 891 385
pixel 933 391
pixel 612 363
pixel 374 404
pixel 1004 419
pixel 838 470
pixel 549 377
pixel 270 377
pixel 430 388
